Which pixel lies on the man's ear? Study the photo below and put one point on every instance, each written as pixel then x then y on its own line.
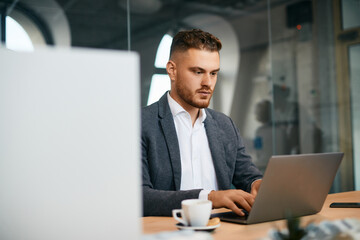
pixel 171 70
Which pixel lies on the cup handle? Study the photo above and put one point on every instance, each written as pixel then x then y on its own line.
pixel 181 220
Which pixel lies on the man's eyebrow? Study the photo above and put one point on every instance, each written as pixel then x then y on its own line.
pixel 201 69
pixel 197 68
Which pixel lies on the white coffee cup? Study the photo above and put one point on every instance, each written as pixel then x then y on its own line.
pixel 194 212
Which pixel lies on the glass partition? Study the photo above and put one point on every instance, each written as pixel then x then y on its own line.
pixel 350 13
pixel 278 81
pixel 354 69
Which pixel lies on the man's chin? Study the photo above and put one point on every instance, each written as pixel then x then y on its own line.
pixel 201 104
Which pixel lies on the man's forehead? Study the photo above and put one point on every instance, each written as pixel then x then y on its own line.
pixel 196 55
pixel 190 51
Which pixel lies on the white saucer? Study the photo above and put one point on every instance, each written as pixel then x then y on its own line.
pixel 206 228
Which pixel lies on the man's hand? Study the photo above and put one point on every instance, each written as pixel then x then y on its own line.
pixel 255 187
pixel 232 199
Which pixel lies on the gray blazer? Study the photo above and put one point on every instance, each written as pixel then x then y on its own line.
pixel 161 165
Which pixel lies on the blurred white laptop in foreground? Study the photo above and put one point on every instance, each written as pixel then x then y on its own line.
pixel 69 145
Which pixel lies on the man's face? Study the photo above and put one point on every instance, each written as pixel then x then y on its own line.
pixel 193 77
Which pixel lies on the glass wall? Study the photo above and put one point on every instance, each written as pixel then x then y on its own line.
pixel 284 64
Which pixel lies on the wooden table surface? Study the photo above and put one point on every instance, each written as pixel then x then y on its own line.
pixel 231 231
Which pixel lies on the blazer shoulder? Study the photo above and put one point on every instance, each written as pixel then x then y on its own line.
pixel 149 116
pixel 159 109
pixel 150 110
pixel 220 121
pixel 218 116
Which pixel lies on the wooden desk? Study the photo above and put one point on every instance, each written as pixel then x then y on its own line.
pixel 231 231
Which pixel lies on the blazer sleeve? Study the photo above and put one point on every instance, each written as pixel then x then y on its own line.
pixel 160 202
pixel 245 170
pixel 160 193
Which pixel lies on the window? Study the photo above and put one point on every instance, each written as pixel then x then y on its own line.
pixel 16 37
pixel 25 26
pixel 160 83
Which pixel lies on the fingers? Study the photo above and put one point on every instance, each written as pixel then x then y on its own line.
pixel 233 207
pixel 255 187
pixel 232 199
pixel 253 192
pixel 245 202
pixel 240 200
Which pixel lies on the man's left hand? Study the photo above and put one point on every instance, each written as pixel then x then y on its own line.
pixel 255 187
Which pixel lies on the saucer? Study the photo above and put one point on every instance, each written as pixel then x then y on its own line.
pixel 206 228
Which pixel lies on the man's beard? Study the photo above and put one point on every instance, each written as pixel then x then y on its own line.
pixel 188 97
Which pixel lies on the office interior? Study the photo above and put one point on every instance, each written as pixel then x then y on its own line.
pixel 290 69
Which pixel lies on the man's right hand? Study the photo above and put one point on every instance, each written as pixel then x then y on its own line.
pixel 233 199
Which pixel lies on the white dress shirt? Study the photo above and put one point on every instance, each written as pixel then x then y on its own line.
pixel 197 168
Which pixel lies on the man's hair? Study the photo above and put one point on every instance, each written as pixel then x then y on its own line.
pixel 195 38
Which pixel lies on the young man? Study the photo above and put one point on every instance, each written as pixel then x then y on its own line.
pixel 188 150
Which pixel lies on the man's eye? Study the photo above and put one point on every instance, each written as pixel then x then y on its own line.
pixel 214 73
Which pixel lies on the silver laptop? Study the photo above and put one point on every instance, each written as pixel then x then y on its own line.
pixel 293 186
pixel 69 145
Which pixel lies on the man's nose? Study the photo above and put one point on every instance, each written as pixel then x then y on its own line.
pixel 206 81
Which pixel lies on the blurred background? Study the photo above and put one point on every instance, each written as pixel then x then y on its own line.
pixel 290 69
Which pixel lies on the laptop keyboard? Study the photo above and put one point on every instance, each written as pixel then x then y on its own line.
pixel 230 216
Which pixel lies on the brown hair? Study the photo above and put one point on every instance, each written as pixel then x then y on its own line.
pixel 195 38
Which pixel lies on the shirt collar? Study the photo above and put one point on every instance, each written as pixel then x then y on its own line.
pixel 176 109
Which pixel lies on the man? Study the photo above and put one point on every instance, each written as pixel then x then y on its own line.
pixel 189 151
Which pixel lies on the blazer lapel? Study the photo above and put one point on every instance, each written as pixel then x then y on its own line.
pixel 168 127
pixel 217 152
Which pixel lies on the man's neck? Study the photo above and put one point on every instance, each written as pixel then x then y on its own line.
pixel 194 116
pixel 193 111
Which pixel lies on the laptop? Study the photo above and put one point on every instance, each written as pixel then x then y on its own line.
pixel 69 145
pixel 292 186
